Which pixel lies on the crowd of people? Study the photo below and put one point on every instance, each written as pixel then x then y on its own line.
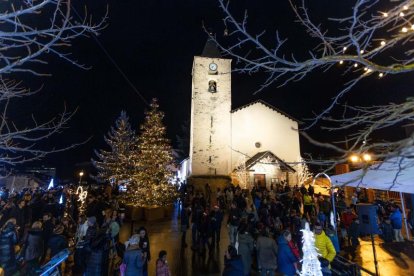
pixel 38 224
pixel 263 226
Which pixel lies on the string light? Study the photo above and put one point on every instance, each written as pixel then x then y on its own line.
pixel 381 75
pixel 365 69
pixel 402 14
pixel 361 52
pixel 341 62
pixel 344 49
pixel 404 30
pixel 405 7
pixel 412 27
pixel 356 65
pixel 385 14
pixel 383 43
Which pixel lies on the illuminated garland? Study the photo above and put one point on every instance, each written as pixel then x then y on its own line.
pixel 150 183
pixel 310 262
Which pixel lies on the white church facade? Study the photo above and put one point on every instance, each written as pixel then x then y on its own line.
pixel 256 138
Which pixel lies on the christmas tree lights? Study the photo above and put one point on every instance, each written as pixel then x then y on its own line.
pixel 150 183
pixel 310 262
pixel 117 165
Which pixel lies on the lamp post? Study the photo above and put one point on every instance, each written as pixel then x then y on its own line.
pixel 363 160
pixel 80 177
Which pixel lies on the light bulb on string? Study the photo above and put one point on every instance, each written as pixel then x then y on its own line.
pixel 341 62
pixel 356 65
pixel 405 7
pixel 402 14
pixel 381 75
pixel 344 49
pixel 384 14
pixel 361 52
pixel 383 43
pixel 404 30
pixel 412 27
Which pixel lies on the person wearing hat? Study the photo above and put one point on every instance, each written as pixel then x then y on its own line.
pixel 133 261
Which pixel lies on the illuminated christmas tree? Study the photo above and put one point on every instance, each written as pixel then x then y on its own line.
pixel 151 184
pixel 117 164
pixel 310 262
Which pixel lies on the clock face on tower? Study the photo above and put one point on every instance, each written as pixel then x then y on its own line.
pixel 212 66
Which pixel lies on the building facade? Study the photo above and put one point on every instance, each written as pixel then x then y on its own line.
pixel 257 136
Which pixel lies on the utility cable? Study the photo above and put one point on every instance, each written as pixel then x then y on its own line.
pixel 114 62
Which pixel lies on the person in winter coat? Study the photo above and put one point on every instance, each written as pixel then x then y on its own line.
pixel 308 205
pixel 185 223
pixel 162 268
pixel 325 247
pixel 266 253
pixel 133 257
pixel 353 232
pixel 97 260
pixel 8 239
pixel 331 233
pixel 396 222
pixel 233 222
pixel 18 212
pixel 216 218
pixel 346 220
pixel 144 244
pixel 57 242
pixel 287 262
pixel 33 248
pixel 387 231
pixel 246 246
pixel 233 264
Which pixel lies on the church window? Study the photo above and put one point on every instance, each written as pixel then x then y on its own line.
pixel 212 86
pixel 258 145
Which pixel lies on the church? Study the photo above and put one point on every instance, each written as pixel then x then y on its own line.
pixel 255 144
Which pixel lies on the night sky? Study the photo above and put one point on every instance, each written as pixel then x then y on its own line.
pixel 153 42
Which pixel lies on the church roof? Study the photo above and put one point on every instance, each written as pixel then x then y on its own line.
pixel 210 49
pixel 260 155
pixel 267 105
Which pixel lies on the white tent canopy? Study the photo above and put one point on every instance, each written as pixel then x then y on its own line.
pixel 395 174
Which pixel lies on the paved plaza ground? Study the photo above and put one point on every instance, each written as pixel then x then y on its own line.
pixel 396 259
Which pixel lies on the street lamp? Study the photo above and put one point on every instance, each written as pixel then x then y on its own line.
pixel 363 158
pixel 367 157
pixel 354 158
pixel 80 177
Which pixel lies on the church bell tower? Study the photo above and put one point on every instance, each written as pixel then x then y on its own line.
pixel 210 138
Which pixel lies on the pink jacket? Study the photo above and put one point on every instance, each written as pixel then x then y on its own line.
pixel 162 268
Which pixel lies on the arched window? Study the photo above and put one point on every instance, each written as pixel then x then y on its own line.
pixel 212 86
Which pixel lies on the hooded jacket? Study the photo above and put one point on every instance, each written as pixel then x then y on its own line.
pixel 285 257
